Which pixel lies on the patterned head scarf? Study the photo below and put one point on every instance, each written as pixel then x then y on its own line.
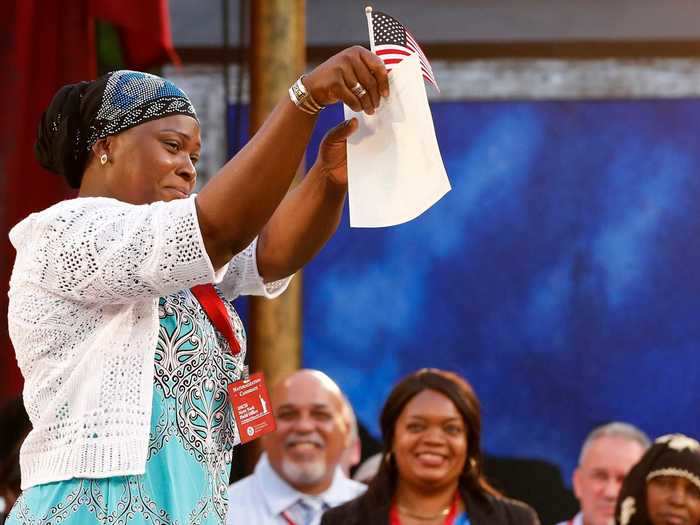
pixel 81 114
pixel 671 455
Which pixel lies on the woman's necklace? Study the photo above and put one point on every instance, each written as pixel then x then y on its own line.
pixel 449 513
pixel 406 512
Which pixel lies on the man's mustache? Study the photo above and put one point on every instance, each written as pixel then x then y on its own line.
pixel 296 439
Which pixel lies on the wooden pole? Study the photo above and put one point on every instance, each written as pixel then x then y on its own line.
pixel 277 58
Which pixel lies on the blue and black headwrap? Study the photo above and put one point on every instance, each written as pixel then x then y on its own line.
pixel 81 114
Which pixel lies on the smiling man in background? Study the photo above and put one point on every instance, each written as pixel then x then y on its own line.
pixel 607 455
pixel 298 476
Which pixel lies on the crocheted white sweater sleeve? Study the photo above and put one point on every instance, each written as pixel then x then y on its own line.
pixel 103 251
pixel 242 277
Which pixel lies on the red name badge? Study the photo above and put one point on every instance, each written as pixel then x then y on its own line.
pixel 251 407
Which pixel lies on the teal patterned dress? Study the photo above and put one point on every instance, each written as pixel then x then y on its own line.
pixel 191 438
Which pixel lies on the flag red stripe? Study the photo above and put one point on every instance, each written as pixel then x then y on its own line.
pixel 394 51
pixel 392 60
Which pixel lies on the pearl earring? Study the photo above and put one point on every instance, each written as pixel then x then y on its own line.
pixel 103 159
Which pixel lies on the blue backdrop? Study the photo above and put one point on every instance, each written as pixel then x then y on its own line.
pixel 559 275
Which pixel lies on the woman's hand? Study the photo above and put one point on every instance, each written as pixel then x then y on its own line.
pixel 334 80
pixel 332 153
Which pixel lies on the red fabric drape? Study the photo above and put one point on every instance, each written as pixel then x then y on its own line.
pixel 144 27
pixel 50 44
pixel 46 44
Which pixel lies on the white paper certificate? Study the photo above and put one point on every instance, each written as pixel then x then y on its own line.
pixel 395 171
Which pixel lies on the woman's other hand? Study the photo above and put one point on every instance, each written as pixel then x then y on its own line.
pixel 309 215
pixel 332 158
pixel 333 81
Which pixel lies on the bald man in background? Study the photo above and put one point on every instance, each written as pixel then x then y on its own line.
pixel 298 475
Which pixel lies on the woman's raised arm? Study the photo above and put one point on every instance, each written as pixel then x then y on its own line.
pixel 237 203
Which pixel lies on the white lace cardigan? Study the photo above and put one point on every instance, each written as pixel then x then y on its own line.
pixel 83 318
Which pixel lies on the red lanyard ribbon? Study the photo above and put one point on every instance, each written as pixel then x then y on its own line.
pixel 217 313
pixel 449 519
pixel 248 396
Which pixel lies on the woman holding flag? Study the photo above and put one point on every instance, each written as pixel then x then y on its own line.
pixel 125 375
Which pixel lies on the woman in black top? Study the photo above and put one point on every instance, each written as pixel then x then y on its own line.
pixel 431 468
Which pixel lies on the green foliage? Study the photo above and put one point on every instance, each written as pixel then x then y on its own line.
pixel 109 47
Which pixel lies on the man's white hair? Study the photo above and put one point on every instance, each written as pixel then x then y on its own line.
pixel 616 429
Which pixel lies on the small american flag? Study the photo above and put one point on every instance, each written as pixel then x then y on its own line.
pixel 392 42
